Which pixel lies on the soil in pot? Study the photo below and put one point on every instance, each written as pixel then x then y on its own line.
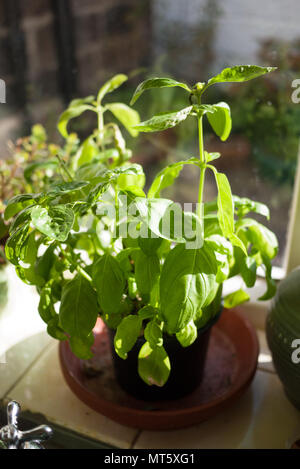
pixel 187 366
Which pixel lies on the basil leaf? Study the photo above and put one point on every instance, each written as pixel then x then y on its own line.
pixel 109 282
pixel 240 73
pixel 226 210
pixel 17 203
pixel 15 247
pixel 187 335
pixel 127 334
pixel 154 365
pixel 223 251
pixel 153 334
pixel 147 270
pixel 85 154
pixel 187 284
pixel 81 347
pixel 45 263
pixel 167 220
pixel 260 237
pixel 65 188
pixel 234 299
pixel 69 114
pixel 150 245
pixel 23 217
pixel 220 120
pixel 46 308
pixel 156 83
pixel 248 269
pixel 54 222
pixel 147 312
pixel 78 309
pixel 271 284
pixel 127 116
pixel 244 205
pixel 164 121
pixel 111 85
pixel 225 205
pixel 211 156
pixel 167 176
pixel 29 276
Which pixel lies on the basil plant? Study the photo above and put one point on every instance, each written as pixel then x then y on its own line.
pixel 96 244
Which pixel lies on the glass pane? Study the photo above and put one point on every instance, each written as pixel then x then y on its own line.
pixel 52 51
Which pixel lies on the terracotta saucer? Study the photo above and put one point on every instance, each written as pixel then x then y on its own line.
pixel 230 367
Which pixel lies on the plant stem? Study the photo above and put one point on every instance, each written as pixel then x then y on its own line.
pixel 117 210
pixel 77 267
pixel 100 126
pixel 202 173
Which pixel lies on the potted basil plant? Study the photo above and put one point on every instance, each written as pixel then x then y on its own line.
pixel 150 270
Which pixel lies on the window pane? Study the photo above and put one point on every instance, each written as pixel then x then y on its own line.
pixel 51 51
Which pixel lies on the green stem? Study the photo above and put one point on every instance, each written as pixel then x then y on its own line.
pixel 77 267
pixel 203 168
pixel 100 126
pixel 117 211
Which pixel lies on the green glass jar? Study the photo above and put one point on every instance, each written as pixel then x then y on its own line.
pixel 283 334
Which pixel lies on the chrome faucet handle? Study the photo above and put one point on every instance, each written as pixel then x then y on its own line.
pixel 13 438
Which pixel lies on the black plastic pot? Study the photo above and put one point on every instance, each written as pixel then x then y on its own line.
pixel 187 366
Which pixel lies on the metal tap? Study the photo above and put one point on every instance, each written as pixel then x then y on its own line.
pixel 13 438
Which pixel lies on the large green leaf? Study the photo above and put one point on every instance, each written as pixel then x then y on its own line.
pixel 164 121
pixel 54 222
pixel 109 281
pixel 127 334
pixel 187 284
pixel 71 113
pixel 167 220
pixel 127 116
pixel 156 83
pixel 167 176
pixel 240 73
pixel 111 85
pixel 79 309
pixel 154 365
pixel 147 271
pixel 220 120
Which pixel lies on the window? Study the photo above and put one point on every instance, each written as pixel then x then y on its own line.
pixel 53 51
